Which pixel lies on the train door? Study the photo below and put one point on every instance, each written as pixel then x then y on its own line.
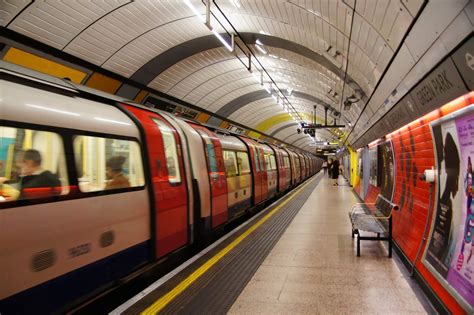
pixel 168 181
pixel 258 170
pixel 292 166
pixel 263 169
pixel 217 178
pixel 280 168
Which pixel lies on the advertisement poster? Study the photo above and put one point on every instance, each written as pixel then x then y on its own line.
pixel 387 169
pixel 373 166
pixel 450 248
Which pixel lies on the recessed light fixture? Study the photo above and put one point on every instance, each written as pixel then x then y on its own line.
pixel 236 3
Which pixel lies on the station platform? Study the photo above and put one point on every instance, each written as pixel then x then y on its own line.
pixel 297 256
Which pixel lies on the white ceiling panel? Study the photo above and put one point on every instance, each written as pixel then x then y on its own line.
pixel 122 36
pixel 437 15
pixel 413 6
pixel 57 23
pixel 10 8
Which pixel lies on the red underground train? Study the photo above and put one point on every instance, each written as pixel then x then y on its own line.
pixel 113 187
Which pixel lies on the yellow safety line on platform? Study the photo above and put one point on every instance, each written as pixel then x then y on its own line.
pixel 167 298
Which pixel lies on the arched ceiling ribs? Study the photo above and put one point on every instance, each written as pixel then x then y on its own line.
pixel 217 87
pixel 160 63
pixel 305 137
pixel 242 101
pixel 200 69
pixel 288 125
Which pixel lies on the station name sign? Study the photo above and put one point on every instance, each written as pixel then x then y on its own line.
pixel 441 86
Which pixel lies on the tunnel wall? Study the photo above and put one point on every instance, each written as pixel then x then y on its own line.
pixel 413 150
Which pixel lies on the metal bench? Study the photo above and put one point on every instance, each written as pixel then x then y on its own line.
pixel 373 217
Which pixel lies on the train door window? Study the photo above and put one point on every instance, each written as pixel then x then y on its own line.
pixel 230 162
pixel 267 162
pixel 32 164
pixel 105 163
pixel 243 163
pixel 273 162
pixel 262 160
pixel 171 152
pixel 257 158
pixel 287 161
pixel 210 154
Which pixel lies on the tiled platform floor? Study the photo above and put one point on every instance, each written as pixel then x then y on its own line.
pixel 313 269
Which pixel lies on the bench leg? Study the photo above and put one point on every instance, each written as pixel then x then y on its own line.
pixel 390 237
pixel 390 247
pixel 358 245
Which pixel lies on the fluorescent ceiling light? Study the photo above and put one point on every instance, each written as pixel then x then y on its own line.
pixel 195 11
pixel 236 3
pixel 315 12
pixel 267 89
pixel 258 42
pixel 221 39
pixel 258 78
pixel 53 110
pixel 263 51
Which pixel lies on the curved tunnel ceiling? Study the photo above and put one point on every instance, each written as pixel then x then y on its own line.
pixel 152 42
pixel 153 68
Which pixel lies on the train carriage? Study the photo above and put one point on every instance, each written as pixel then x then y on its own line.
pixel 238 173
pixel 271 170
pixel 259 172
pixel 127 185
pixel 53 238
pixel 216 209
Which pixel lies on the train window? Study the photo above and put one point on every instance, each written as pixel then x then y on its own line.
pixel 273 162
pixel 230 163
pixel 286 161
pixel 243 162
pixel 257 158
pixel 210 154
pixel 267 162
pixel 105 163
pixel 32 164
pixel 261 160
pixel 171 152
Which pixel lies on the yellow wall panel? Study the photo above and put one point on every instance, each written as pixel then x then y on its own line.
pixel 141 96
pixel 40 64
pixel 224 124
pixel 354 167
pixel 202 117
pixel 103 83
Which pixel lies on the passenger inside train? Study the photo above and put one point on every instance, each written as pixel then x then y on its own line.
pixel 33 166
pixel 114 173
pixel 35 181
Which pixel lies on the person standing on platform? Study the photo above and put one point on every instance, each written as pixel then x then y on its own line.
pixel 325 167
pixel 329 168
pixel 335 172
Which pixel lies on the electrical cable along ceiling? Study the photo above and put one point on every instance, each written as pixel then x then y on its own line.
pixel 299 52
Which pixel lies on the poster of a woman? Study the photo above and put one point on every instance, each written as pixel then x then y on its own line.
pixel 450 248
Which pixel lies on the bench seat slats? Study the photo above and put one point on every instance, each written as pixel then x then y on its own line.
pixel 373 217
